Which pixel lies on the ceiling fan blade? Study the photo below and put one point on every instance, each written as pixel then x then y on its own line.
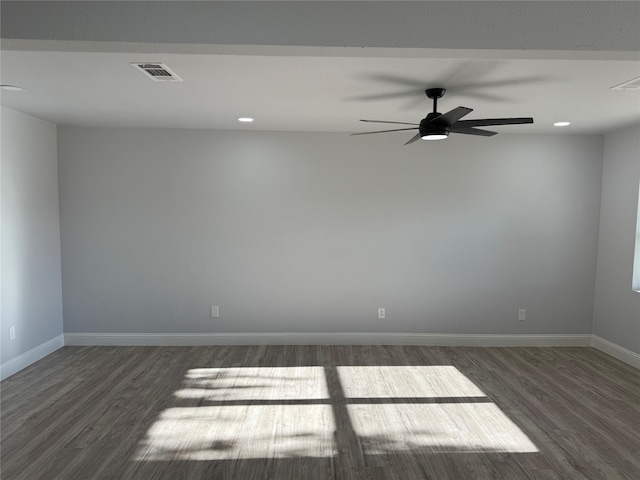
pixel 492 121
pixel 386 96
pixel 473 131
pixel 385 131
pixel 398 80
pixel 413 139
pixel 386 121
pixel 452 116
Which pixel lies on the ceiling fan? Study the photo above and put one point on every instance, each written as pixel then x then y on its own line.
pixel 436 126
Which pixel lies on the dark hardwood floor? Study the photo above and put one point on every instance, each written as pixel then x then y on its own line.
pixel 322 412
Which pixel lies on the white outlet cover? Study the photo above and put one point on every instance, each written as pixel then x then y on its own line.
pixel 215 311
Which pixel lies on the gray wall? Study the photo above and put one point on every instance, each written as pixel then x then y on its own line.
pixel 309 232
pixel 31 284
pixel 616 306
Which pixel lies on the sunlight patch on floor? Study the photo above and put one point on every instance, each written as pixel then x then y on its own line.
pixel 436 428
pixel 246 431
pixel 422 381
pixel 290 412
pixel 264 383
pixel 440 410
pixel 245 427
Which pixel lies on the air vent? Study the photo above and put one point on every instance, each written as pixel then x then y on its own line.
pixel 628 85
pixel 158 72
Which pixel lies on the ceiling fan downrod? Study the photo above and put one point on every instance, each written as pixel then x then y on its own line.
pixel 434 94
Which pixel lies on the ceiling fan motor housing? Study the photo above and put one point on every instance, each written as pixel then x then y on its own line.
pixel 428 127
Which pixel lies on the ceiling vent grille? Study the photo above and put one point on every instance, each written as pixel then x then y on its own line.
pixel 628 85
pixel 157 72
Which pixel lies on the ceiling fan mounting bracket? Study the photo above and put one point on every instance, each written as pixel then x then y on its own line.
pixel 434 93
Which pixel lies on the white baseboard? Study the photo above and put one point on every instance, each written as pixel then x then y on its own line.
pixel 293 338
pixel 25 359
pixel 616 351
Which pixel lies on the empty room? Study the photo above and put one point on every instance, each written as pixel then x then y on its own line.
pixel 321 240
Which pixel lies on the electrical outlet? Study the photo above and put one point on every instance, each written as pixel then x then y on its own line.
pixel 12 333
pixel 215 311
pixel 381 312
pixel 522 315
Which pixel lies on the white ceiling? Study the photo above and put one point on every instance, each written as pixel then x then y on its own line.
pixel 79 79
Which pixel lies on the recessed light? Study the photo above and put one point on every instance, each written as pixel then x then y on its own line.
pixel 245 119
pixel 561 124
pixel 12 88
